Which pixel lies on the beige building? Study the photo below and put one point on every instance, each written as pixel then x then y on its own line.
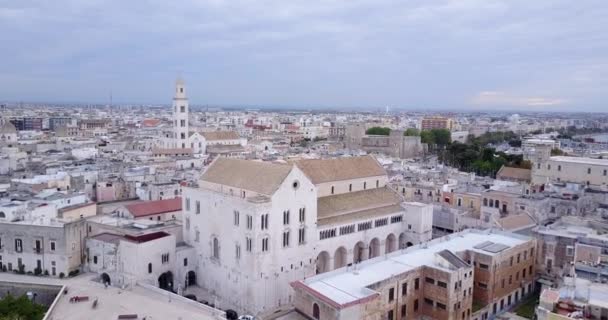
pixel 439 279
pixel 587 171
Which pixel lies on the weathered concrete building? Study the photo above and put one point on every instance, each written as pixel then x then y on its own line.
pixel 439 279
pixel 45 241
pixel 395 144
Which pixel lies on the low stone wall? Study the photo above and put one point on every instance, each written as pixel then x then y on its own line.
pixel 218 314
pixel 45 294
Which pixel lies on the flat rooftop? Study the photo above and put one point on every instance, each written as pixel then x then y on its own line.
pixel 112 301
pixel 348 285
pixel 597 162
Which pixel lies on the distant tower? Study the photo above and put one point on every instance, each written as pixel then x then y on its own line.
pixel 180 115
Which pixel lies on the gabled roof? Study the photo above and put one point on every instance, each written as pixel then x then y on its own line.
pixel 258 176
pixel 220 135
pixel 148 208
pixel 346 203
pixel 510 173
pixel 8 127
pixel 326 170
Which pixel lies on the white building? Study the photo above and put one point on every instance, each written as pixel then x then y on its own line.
pixel 257 226
pixel 529 146
pixel 124 259
pixel 84 153
pixel 203 142
pixel 8 134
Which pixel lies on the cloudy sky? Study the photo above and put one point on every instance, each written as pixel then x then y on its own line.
pixel 440 54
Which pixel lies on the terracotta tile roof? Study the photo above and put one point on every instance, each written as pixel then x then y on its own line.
pixel 372 199
pixel 107 237
pixel 220 135
pixel 326 170
pixel 516 222
pixel 518 174
pixel 148 208
pixel 150 122
pixel 357 216
pixel 258 176
pixel 224 148
pixel 173 151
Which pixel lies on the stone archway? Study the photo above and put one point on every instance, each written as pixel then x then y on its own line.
pixel 105 279
pixel 359 252
pixel 323 260
pixel 191 278
pixel 390 244
pixel 316 313
pixel 402 241
pixel 374 248
pixel 340 258
pixel 165 281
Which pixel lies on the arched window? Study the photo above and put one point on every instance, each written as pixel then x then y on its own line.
pixel 496 204
pixel 2 215
pixel 316 313
pixel 216 248
pixel 491 202
pixel 485 202
pixel 150 267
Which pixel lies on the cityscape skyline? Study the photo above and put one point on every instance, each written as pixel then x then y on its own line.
pixel 438 55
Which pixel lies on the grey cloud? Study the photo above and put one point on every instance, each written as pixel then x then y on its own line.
pixel 306 53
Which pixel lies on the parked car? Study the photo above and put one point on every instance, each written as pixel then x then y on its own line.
pixel 190 296
pixel 231 314
pixel 247 317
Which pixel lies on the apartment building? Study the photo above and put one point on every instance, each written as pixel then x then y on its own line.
pixel 576 299
pixel 431 123
pixel 439 279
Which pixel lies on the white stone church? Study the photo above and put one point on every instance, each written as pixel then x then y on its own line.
pixel 258 226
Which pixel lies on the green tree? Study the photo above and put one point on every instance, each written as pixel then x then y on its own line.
pixel 442 137
pixel 410 132
pixel 21 308
pixel 556 152
pixel 380 131
pixel 427 137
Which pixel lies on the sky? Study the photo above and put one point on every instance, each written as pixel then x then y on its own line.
pixel 420 54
